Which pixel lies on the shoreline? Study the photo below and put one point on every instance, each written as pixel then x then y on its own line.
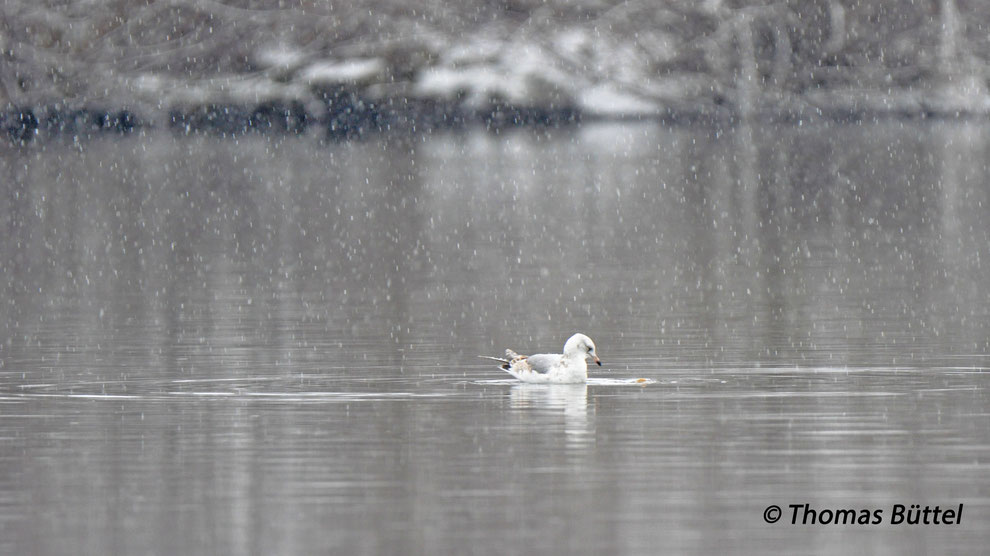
pixel 346 114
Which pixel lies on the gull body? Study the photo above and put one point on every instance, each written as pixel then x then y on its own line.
pixel 569 367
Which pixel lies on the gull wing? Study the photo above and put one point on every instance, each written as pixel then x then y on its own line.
pixel 542 362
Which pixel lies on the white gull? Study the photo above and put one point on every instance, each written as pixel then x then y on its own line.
pixel 552 368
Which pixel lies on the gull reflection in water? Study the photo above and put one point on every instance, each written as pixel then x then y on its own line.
pixel 567 400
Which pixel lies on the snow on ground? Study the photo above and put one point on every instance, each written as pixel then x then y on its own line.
pixel 358 70
pixel 608 100
pixel 962 94
pixel 476 84
pixel 280 56
pixel 521 73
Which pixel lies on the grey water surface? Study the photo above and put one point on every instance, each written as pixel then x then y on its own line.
pixel 267 344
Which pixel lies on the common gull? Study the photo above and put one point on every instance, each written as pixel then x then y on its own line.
pixel 552 368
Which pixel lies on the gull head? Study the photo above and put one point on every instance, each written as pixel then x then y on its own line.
pixel 580 345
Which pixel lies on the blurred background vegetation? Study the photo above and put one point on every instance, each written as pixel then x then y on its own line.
pixel 742 56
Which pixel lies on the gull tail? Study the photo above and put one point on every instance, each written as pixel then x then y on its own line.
pixel 504 362
pixel 511 358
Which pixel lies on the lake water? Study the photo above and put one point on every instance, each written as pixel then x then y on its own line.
pixel 267 345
